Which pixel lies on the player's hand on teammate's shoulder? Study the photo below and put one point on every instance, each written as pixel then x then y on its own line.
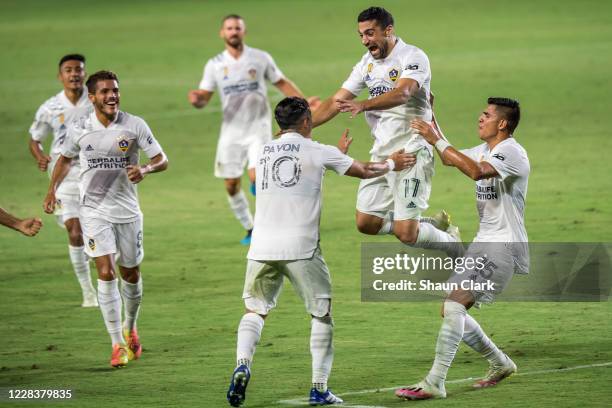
pixel 347 105
pixel 29 226
pixel 402 160
pixel 425 130
pixel 43 162
pixel 345 142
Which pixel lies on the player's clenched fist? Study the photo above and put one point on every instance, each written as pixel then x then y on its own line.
pixel 30 226
pixel 43 162
pixel 49 202
pixel 135 173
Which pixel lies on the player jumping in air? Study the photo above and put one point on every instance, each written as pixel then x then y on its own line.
pixel 500 168
pixel 285 243
pixel 107 143
pixel 239 74
pixel 397 77
pixel 54 117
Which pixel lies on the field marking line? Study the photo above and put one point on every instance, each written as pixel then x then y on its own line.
pixel 304 401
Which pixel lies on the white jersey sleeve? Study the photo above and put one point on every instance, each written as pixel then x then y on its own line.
pixel 472 152
pixel 416 66
pixel 334 159
pixel 208 82
pixel 355 83
pixel 41 127
pixel 70 148
pixel 272 73
pixel 145 139
pixel 509 161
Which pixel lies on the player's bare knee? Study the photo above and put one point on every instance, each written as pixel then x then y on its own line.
pixel 232 186
pixel 408 237
pixel 368 224
pixel 131 274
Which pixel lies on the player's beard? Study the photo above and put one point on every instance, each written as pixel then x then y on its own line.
pixel 234 42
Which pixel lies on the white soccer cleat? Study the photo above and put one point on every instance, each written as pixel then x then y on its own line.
pixel 90 300
pixel 496 374
pixel 420 391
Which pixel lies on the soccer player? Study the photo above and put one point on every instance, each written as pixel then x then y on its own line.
pixel 28 226
pixel 107 143
pixel 500 168
pixel 53 117
pixel 397 76
pixel 239 74
pixel 286 239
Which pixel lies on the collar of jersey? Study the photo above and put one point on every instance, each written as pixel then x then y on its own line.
pixel 96 125
pixel 291 135
pixel 66 102
pixel 229 56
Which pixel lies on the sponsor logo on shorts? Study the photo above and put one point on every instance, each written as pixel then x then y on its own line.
pixel 393 74
pixel 411 205
pixel 92 244
pixel 123 145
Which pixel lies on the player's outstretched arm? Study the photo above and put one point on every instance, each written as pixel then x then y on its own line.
pixel 398 161
pixel 62 166
pixel 137 173
pixel 28 226
pixel 288 88
pixel 451 156
pixel 199 98
pixel 328 109
pixel 37 152
pixel 404 90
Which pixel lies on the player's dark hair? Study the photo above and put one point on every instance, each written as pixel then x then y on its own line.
pixel 231 16
pixel 510 108
pixel 290 111
pixel 93 79
pixel 382 16
pixel 71 57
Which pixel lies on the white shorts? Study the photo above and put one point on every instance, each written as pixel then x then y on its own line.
pixel 104 238
pixel 485 283
pixel 232 156
pixel 406 192
pixel 66 207
pixel 310 279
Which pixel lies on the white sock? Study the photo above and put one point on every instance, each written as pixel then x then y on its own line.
pixel 449 338
pixel 240 207
pixel 249 332
pixel 322 350
pixel 387 226
pixel 80 264
pixel 432 238
pixel 476 338
pixel 110 306
pixel 132 296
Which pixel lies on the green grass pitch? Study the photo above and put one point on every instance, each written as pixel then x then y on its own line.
pixel 554 56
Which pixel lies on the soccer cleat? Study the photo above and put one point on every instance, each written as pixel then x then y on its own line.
pixel 441 220
pixel 253 189
pixel 90 300
pixel 420 391
pixel 323 398
pixel 236 394
pixel 247 240
pixel 119 357
pixel 133 344
pixel 496 374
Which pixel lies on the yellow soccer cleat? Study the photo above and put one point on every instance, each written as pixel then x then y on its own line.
pixel 134 347
pixel 119 358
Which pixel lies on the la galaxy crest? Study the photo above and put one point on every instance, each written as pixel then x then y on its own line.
pixel 92 244
pixel 123 143
pixel 393 74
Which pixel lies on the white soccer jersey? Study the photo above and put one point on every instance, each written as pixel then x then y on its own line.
pixel 104 153
pixel 288 205
pixel 53 117
pixel 501 200
pixel 242 87
pixel 391 127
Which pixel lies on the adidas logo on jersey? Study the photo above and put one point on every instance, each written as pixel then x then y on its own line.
pixel 411 205
pixel 89 148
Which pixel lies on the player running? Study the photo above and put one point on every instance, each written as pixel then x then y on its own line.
pixel 500 168
pixel 285 243
pixel 398 77
pixel 53 117
pixel 107 143
pixel 239 74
